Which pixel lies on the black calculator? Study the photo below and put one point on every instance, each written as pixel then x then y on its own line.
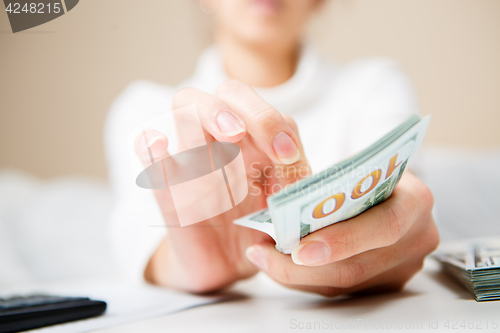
pixel 24 313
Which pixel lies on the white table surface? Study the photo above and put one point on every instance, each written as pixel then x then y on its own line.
pixel 430 302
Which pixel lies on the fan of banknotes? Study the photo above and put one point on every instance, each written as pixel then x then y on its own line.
pixel 477 267
pixel 341 191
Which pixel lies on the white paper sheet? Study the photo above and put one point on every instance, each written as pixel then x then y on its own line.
pixel 125 303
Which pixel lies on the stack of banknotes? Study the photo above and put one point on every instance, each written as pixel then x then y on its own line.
pixel 477 268
pixel 340 192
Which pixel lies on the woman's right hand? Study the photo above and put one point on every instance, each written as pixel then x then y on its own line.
pixel 210 255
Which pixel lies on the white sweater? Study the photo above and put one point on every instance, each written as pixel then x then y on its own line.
pixel 339 110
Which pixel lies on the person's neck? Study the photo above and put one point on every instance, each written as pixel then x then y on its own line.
pixel 258 66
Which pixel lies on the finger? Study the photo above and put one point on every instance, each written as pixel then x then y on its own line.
pixel 151 146
pixel 349 272
pixel 389 281
pixel 271 133
pixel 215 116
pixel 381 226
pixel 343 274
pixel 421 240
pixel 301 168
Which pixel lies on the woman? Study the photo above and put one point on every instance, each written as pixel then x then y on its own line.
pixel 337 110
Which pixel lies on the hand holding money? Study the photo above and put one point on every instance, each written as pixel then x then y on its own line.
pixel 378 250
pixel 382 247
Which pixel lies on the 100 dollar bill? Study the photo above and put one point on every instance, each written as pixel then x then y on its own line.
pixel 340 192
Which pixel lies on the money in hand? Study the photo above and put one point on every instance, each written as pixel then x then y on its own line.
pixel 340 192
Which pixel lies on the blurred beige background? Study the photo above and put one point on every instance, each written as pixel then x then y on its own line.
pixel 58 80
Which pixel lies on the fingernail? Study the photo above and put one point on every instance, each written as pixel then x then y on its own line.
pixel 229 125
pixel 310 253
pixel 256 258
pixel 157 145
pixel 285 148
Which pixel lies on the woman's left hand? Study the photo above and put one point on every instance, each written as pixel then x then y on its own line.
pixel 379 250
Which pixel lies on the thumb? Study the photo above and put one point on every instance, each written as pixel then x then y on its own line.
pixel 287 174
pixel 151 148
